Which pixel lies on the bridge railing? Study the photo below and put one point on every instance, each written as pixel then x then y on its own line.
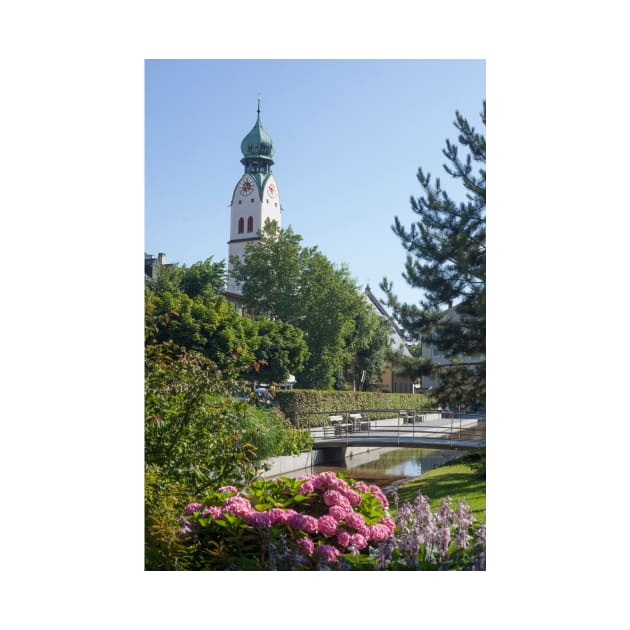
pixel 351 424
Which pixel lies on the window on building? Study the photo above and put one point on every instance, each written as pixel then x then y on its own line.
pixel 241 225
pixel 250 224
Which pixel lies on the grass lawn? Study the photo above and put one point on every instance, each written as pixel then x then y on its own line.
pixel 457 480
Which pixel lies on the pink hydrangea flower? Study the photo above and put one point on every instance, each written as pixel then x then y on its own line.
pixel 327 525
pixel 212 511
pixel 303 522
pixel 227 489
pixel 361 486
pixel 359 541
pixel 278 515
pixel 389 523
pixel 328 478
pixel 306 545
pixel 353 497
pixel 338 512
pixel 328 553
pixel 318 483
pixel 307 487
pixel 378 493
pixel 378 532
pixel 341 485
pixel 354 520
pixel 191 508
pixel 332 497
pixel 258 519
pixel 237 506
pixel 343 538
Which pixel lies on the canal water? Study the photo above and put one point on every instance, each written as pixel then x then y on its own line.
pixel 386 467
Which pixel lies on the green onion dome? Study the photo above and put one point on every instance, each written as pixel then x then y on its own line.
pixel 257 143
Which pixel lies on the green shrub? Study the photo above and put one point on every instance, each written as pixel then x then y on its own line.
pixel 308 408
pixel 273 435
pixel 194 441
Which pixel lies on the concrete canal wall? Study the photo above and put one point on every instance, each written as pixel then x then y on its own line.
pixel 290 463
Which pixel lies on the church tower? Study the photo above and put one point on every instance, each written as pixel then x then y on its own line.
pixel 255 198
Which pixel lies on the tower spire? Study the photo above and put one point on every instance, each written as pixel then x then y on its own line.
pixel 258 110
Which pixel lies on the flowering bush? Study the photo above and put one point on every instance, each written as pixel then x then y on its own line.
pixel 446 540
pixel 317 522
pixel 323 522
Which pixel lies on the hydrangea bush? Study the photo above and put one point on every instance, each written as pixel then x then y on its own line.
pixel 323 522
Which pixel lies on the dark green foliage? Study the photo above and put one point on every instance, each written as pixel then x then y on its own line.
pixel 370 342
pixel 477 461
pixel 461 383
pixel 447 258
pixel 302 406
pixel 281 350
pixel 183 306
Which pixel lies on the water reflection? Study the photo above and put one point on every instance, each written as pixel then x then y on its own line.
pixel 384 466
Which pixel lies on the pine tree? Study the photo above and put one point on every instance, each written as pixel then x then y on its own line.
pixel 447 260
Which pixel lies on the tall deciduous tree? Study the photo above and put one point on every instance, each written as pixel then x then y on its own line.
pixel 447 260
pixel 282 279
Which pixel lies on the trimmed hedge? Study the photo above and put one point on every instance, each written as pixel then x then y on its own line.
pixel 311 408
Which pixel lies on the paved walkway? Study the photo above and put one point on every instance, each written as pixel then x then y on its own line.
pixel 436 432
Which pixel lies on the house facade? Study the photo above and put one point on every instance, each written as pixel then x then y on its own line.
pixel 389 381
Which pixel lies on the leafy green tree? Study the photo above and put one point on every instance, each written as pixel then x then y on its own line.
pixel 272 272
pixel 447 260
pixel 202 278
pixel 282 279
pixel 370 344
pixel 182 305
pixel 206 324
pixel 281 350
pixel 331 302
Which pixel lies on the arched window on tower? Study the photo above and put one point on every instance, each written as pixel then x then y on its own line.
pixel 241 225
pixel 250 224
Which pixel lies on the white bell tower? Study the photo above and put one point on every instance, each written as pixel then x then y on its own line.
pixel 255 198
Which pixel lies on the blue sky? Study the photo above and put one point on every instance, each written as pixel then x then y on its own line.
pixel 349 137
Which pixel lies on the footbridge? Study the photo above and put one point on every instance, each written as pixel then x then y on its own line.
pixel 396 428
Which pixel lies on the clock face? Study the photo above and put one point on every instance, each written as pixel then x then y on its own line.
pixel 246 188
pixel 272 190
